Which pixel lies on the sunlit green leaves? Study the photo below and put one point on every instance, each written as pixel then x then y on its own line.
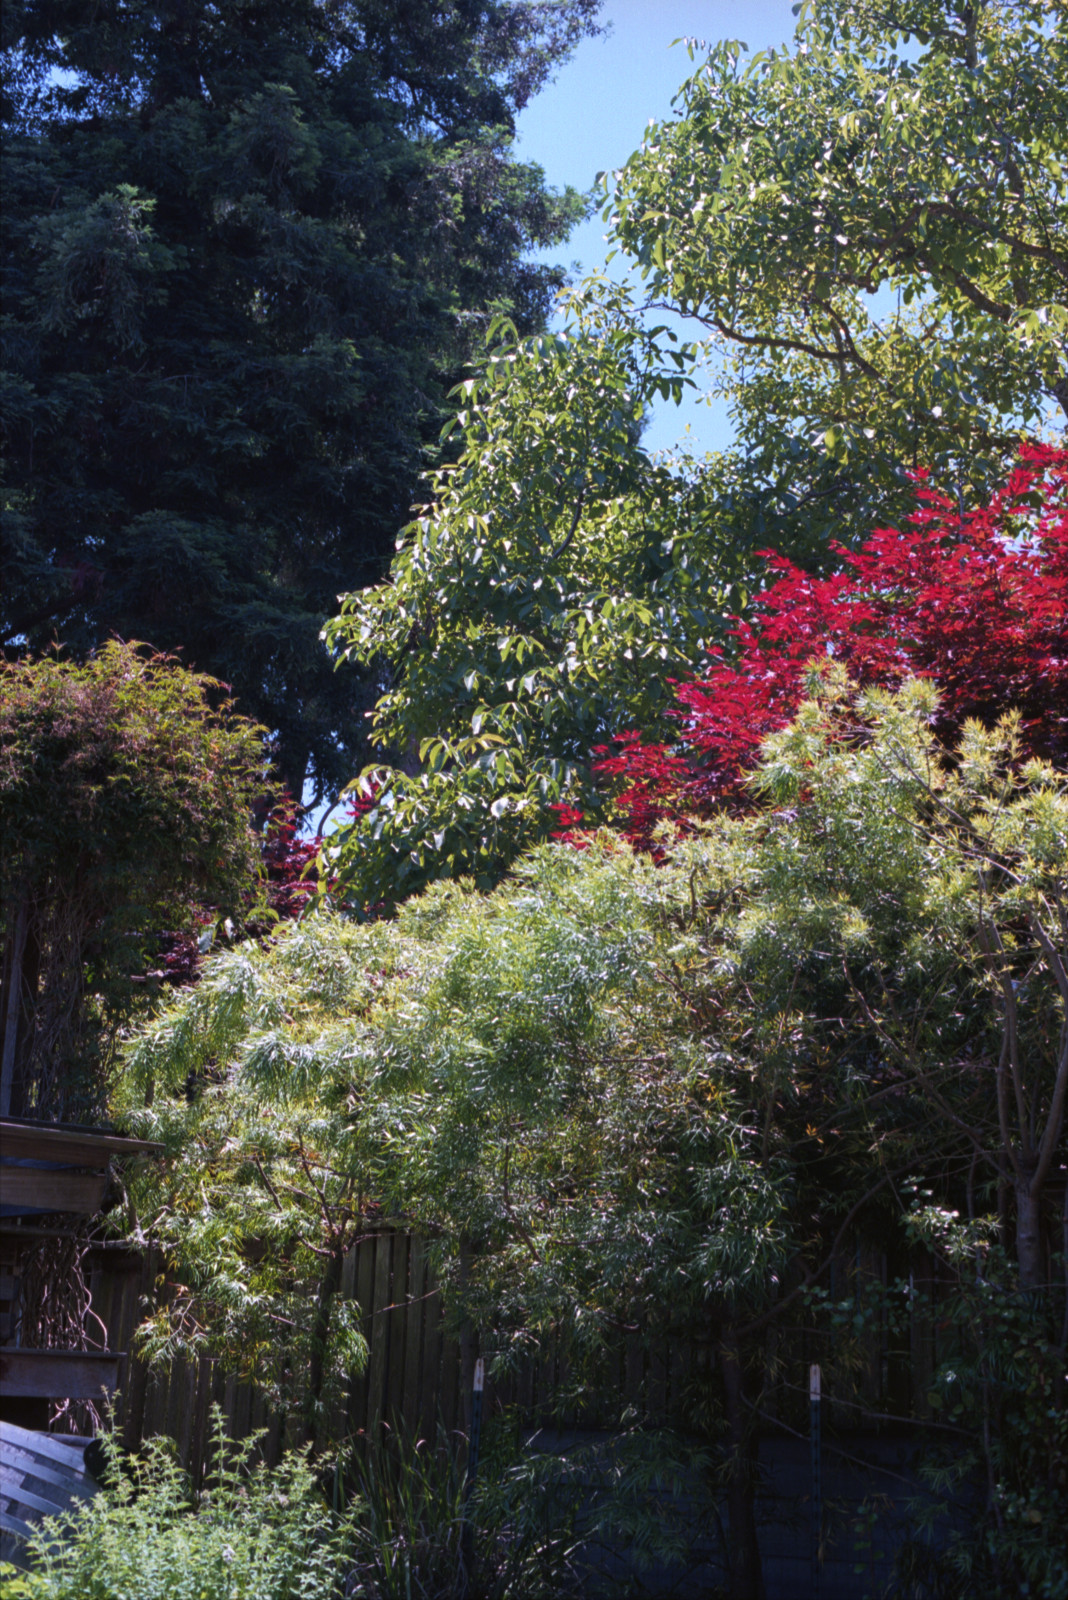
pixel 872 235
pixel 620 1092
pixel 557 579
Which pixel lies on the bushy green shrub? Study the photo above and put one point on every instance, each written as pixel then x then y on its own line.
pixel 126 790
pixel 586 1518
pixel 252 1534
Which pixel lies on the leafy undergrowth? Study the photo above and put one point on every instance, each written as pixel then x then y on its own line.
pixel 401 1523
pixel 253 1534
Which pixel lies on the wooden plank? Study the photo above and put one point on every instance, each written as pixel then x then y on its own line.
pixel 396 1323
pixel 117 1254
pixel 339 1416
pixel 450 1400
pixel 172 1387
pixel 347 1286
pixel 67 1449
pixel 58 1374
pixel 415 1318
pixel 430 1385
pixel 23 1498
pixel 20 1464
pixel 364 1276
pixel 81 1147
pixel 376 1392
pixel 229 1405
pixel 56 1190
pixel 200 1443
pixel 243 1410
pixel 15 1525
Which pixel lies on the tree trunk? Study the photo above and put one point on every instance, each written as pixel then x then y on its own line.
pixel 746 1578
pixel 1029 1251
pixel 328 1288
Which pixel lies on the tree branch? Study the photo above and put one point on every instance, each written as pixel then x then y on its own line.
pixel 811 1277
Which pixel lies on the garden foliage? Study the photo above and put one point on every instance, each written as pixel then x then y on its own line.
pixel 872 296
pixel 249 1534
pixel 127 786
pixel 978 604
pixel 555 578
pixel 621 1096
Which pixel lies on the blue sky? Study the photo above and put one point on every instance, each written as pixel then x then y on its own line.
pixel 595 114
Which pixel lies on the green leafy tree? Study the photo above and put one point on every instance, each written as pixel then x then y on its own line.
pixel 881 295
pixel 870 230
pixel 126 790
pixel 248 250
pixel 621 1096
pixel 557 578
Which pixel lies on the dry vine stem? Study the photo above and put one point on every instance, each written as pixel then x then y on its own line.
pixel 56 1313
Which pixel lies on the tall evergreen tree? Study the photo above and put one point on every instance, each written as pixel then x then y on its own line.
pixel 249 249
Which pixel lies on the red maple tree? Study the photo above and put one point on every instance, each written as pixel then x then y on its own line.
pixel 978 603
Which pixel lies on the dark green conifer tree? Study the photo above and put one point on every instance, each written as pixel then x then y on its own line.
pixel 249 248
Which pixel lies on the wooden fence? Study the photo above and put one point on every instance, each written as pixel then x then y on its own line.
pixel 412 1379
pixel 418 1376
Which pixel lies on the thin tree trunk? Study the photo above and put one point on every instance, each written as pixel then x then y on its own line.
pixel 1029 1253
pixel 21 970
pixel 746 1577
pixel 11 1005
pixel 328 1287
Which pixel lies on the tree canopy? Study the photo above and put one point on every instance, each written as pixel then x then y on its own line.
pixel 869 230
pixel 882 301
pixel 247 251
pixel 556 577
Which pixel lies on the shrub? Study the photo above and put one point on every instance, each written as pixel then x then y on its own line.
pixel 253 1534
pixel 126 789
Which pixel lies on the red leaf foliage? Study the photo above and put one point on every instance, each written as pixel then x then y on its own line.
pixel 286 860
pixel 286 856
pixel 979 604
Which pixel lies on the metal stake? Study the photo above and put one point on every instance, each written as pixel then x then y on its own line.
pixel 817 1484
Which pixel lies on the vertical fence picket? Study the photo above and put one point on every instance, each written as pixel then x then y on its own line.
pixel 429 1409
pixel 364 1251
pixel 396 1328
pixel 415 1318
pixel 376 1379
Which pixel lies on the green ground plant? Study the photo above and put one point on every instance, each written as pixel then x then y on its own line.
pixel 249 1534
